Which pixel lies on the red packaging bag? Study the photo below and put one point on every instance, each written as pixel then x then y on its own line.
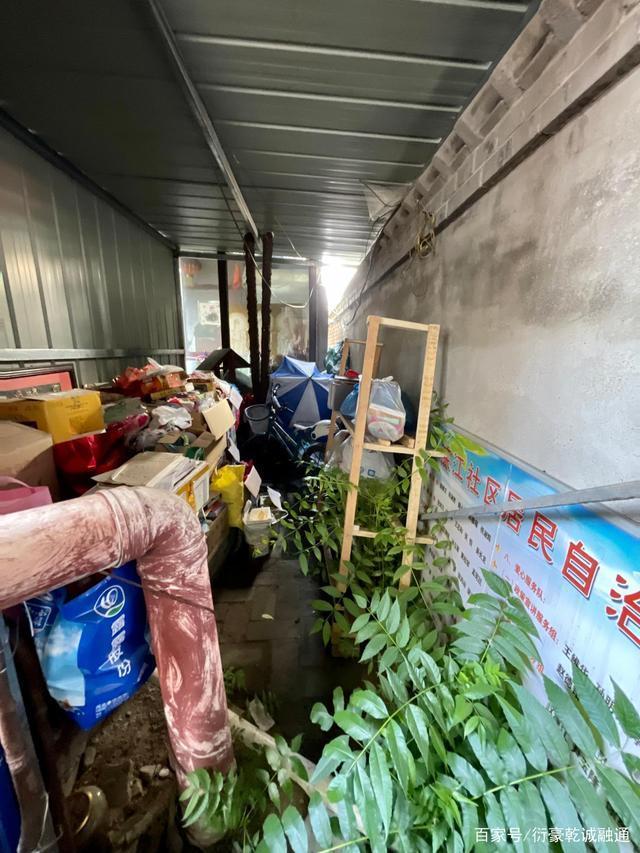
pixel 22 496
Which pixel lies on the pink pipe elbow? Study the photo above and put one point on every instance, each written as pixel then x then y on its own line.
pixel 44 548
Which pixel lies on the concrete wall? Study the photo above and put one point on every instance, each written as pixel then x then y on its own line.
pixel 77 275
pixel 537 290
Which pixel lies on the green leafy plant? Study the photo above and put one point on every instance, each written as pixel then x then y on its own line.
pixel 233 807
pixel 448 740
pixel 442 747
pixel 234 680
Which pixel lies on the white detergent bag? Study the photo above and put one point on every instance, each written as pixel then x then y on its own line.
pixel 373 465
pixel 386 414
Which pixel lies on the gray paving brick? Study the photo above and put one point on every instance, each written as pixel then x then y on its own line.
pixel 264 601
pixel 228 596
pixel 236 621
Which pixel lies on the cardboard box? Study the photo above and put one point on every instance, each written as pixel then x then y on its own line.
pixel 165 393
pixel 169 472
pixel 218 531
pixel 64 414
pixel 161 383
pixel 27 455
pixel 206 386
pixel 219 418
pixel 195 488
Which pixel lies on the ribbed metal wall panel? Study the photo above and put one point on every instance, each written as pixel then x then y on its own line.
pixel 76 274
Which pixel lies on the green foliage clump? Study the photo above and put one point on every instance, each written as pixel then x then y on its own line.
pixel 445 739
pixel 442 739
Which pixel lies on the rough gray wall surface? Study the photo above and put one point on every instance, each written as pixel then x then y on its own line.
pixel 75 273
pixel 537 290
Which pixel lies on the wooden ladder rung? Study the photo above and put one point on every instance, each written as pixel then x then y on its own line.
pixel 348 423
pixel 371 534
pixel 388 448
pixel 365 534
pixel 407 441
pixel 405 324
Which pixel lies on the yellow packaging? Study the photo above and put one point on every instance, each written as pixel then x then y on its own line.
pixel 63 414
pixel 229 481
pixel 195 489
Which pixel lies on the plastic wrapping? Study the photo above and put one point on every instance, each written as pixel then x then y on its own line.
pixel 350 403
pixel 21 496
pixel 229 481
pixel 386 414
pixel 93 648
pixel 257 528
pixel 81 459
pixel 374 464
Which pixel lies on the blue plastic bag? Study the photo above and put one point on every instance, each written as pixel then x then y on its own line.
pixel 94 649
pixel 350 403
pixel 9 811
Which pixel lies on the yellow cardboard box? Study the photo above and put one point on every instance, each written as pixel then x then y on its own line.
pixel 64 414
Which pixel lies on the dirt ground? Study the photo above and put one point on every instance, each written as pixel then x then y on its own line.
pixel 127 758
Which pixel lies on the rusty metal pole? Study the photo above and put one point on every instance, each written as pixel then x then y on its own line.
pixel 252 311
pixel 36 828
pixel 265 349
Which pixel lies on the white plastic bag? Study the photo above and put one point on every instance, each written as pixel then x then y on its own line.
pixel 386 414
pixel 374 465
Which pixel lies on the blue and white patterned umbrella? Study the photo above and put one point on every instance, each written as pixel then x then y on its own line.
pixel 304 389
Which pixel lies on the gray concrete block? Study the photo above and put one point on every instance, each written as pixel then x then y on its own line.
pixel 505 85
pixel 537 64
pixel 461 195
pixel 464 172
pixel 438 162
pixel 562 17
pixel 497 161
pixel 469 134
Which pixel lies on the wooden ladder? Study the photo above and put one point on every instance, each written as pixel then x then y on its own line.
pixel 344 360
pixel 408 447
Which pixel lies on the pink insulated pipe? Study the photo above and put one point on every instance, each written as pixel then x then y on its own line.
pixel 44 548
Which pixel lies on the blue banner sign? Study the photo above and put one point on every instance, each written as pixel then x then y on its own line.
pixel 576 570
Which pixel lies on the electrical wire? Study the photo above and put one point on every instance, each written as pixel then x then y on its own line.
pixel 426 237
pixel 255 262
pixel 370 267
pixel 290 241
pixel 375 222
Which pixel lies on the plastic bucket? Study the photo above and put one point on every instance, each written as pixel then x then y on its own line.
pixel 257 530
pixel 339 390
pixel 258 418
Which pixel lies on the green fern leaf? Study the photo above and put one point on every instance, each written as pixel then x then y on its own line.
pixel 596 708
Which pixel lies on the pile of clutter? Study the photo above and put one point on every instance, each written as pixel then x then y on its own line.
pixel 156 427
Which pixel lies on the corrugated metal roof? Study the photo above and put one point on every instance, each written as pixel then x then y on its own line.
pixel 309 99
